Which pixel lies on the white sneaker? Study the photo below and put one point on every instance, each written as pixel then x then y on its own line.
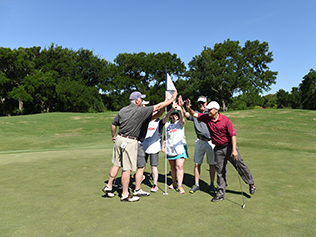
pixel 108 191
pixel 129 198
pixel 140 192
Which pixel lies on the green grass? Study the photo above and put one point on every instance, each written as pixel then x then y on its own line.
pixel 53 167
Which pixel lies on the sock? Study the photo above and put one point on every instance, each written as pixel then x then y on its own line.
pixel 212 183
pixel 197 184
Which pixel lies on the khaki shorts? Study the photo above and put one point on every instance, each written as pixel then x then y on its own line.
pixel 125 158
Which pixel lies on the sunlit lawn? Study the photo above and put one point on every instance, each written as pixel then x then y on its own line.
pixel 53 167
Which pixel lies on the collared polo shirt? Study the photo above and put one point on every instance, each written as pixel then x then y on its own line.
pixel 130 119
pixel 221 130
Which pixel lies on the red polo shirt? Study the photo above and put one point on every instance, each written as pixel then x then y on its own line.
pixel 221 130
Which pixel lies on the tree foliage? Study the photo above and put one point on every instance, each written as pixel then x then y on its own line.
pixel 53 79
pixel 34 80
pixel 308 90
pixel 227 68
pixel 142 72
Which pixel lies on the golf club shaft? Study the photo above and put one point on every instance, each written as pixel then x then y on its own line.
pixel 242 193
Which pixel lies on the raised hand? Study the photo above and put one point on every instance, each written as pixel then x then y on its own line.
pixel 180 101
pixel 174 95
pixel 188 103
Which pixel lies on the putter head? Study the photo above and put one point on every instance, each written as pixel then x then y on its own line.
pixel 243 206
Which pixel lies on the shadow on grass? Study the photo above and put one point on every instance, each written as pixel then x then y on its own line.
pixel 238 193
pixel 188 180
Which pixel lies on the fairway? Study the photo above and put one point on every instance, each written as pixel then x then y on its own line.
pixel 53 167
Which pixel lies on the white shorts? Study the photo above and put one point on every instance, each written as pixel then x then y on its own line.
pixel 202 147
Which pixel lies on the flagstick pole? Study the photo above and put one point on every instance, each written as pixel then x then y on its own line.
pixel 166 164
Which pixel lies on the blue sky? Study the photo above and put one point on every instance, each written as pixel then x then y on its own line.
pixel 181 27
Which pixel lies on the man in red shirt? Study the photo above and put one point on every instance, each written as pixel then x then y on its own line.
pixel 223 136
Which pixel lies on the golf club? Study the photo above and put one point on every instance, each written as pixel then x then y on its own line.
pixel 242 193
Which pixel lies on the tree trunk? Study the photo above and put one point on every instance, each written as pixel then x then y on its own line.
pixel 224 105
pixel 20 105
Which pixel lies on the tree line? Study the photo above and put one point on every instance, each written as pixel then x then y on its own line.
pixel 57 79
pixel 301 97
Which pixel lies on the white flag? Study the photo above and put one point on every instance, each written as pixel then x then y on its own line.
pixel 169 85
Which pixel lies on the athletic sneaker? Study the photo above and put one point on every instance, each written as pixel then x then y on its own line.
pixel 108 191
pixel 129 198
pixel 140 192
pixel 212 188
pixel 252 189
pixel 194 188
pixel 216 199
pixel 173 186
pixel 181 190
pixel 154 188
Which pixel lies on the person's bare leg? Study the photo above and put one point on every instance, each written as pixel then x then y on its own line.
pixel 197 171
pixel 112 174
pixel 173 170
pixel 179 167
pixel 138 177
pixel 125 181
pixel 154 171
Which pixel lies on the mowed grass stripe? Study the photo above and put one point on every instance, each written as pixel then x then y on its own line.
pixel 51 186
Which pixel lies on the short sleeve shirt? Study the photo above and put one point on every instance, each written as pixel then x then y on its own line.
pixel 130 119
pixel 200 127
pixel 221 130
pixel 143 130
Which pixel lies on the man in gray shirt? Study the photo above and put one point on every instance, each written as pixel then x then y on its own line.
pixel 203 145
pixel 129 120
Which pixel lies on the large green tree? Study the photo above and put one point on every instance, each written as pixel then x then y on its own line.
pixel 227 68
pixel 76 77
pixel 53 79
pixel 283 98
pixel 295 98
pixel 142 72
pixel 16 65
pixel 308 90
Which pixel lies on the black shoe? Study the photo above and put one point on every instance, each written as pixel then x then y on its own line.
pixel 252 189
pixel 216 199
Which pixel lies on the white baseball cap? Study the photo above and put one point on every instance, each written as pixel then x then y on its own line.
pixel 213 104
pixel 203 99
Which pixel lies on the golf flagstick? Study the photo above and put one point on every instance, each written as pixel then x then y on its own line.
pixel 166 164
pixel 170 88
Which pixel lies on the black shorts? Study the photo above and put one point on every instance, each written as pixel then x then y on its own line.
pixel 153 158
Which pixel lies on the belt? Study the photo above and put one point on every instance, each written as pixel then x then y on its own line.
pixel 223 146
pixel 134 138
pixel 204 139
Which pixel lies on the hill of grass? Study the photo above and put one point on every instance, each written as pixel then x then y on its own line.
pixel 53 167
